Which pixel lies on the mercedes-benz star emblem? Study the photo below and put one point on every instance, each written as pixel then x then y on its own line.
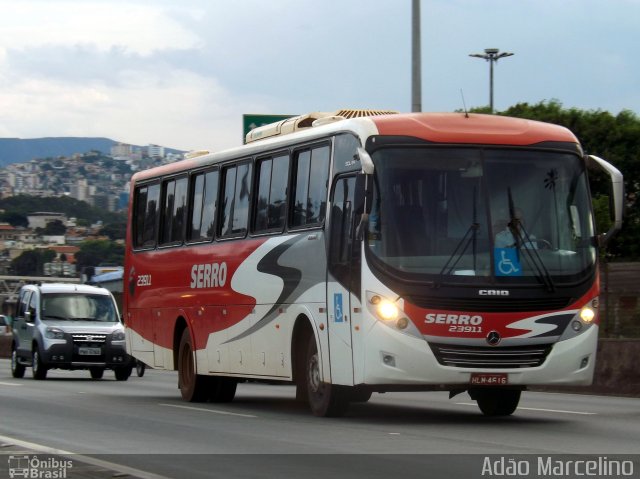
pixel 493 338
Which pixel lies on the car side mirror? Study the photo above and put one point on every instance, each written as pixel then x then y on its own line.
pixel 28 317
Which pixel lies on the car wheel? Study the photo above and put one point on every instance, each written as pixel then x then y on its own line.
pixel 38 368
pixel 96 373
pixel 17 369
pixel 123 372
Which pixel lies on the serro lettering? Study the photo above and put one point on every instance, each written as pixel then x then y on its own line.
pixel 208 275
pixel 461 319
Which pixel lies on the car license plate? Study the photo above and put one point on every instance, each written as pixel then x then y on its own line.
pixel 489 379
pixel 89 351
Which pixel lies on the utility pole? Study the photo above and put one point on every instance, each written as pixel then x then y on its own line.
pixel 416 69
pixel 492 55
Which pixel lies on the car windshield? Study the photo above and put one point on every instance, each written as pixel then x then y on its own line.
pixel 512 214
pixel 78 307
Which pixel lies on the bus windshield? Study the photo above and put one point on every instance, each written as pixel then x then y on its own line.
pixel 513 215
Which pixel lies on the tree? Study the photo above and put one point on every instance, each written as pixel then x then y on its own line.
pixel 97 252
pixel 616 138
pixel 31 262
pixel 53 228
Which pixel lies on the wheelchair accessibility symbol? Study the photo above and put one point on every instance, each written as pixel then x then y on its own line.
pixel 506 262
pixel 337 307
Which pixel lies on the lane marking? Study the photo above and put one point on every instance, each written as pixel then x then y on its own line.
pixel 214 411
pixel 540 409
pixel 2 383
pixel 112 466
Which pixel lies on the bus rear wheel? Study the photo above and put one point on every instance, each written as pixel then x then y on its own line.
pixel 497 402
pixel 325 400
pixel 222 389
pixel 193 387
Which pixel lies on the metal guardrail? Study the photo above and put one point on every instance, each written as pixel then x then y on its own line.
pixel 10 285
pixel 620 306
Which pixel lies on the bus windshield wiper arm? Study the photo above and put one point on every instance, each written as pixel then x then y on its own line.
pixel 470 237
pixel 524 243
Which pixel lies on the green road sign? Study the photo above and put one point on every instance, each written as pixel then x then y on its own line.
pixel 249 122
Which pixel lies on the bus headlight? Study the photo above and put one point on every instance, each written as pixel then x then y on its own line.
pixel 587 314
pixel 390 313
pixel 387 310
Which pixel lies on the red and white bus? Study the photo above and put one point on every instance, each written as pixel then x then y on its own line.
pixel 369 254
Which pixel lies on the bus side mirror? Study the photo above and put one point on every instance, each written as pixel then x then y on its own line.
pixel 617 188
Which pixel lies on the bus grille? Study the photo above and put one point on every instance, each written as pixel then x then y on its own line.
pixel 492 304
pixel 511 357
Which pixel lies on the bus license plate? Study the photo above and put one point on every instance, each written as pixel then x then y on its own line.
pixel 89 351
pixel 489 379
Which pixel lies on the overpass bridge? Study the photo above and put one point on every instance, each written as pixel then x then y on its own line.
pixel 10 285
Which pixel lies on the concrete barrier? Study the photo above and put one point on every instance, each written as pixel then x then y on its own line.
pixel 616 370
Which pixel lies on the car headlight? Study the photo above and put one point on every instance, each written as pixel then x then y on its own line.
pixel 54 333
pixel 118 336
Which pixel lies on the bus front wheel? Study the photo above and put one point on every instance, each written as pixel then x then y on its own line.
pixel 325 399
pixel 193 387
pixel 497 402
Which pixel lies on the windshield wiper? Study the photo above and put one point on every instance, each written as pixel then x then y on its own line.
pixel 50 316
pixel 524 243
pixel 469 238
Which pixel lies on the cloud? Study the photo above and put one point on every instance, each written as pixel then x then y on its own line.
pixel 134 27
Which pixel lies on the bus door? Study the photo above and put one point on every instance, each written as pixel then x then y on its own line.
pixel 343 272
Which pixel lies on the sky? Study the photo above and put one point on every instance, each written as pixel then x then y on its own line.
pixel 182 73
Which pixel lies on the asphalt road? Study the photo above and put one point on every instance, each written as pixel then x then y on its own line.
pixel 141 427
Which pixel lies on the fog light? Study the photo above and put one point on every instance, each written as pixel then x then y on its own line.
pixel 389 359
pixel 576 325
pixel 584 362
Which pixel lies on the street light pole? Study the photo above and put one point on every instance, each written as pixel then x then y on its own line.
pixel 416 70
pixel 491 55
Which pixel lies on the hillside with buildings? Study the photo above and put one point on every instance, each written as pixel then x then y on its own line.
pixel 98 179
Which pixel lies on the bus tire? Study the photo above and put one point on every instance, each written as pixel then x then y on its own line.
pixel 17 369
pixel 193 387
pixel 359 395
pixel 222 389
pixel 497 402
pixel 325 400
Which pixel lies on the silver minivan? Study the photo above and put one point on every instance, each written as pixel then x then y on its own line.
pixel 68 326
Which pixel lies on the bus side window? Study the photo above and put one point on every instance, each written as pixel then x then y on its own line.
pixel 310 194
pixel 173 211
pixel 270 207
pixel 235 200
pixel 204 194
pixel 146 215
